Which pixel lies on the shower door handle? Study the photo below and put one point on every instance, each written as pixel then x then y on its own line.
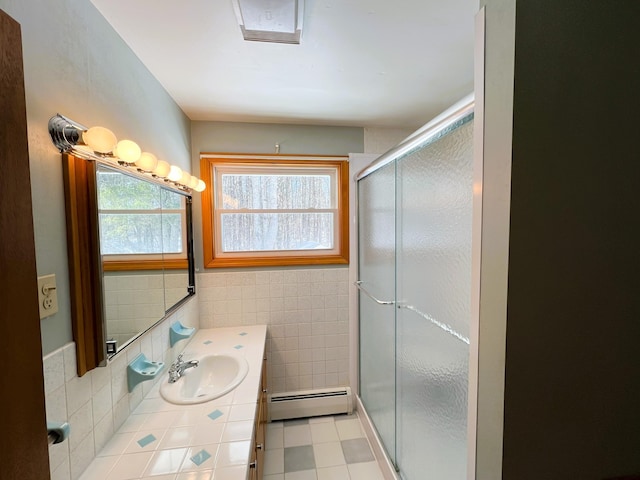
pixel 378 301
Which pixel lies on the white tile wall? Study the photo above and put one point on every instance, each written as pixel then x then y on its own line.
pixel 306 312
pixel 135 302
pixel 98 403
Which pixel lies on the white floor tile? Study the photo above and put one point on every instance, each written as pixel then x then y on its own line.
pixel 334 473
pixel 365 471
pixel 277 476
pixel 328 454
pixel 304 475
pixel 275 437
pixel 274 461
pixel 349 429
pixel 324 432
pixel 297 435
pixel 322 419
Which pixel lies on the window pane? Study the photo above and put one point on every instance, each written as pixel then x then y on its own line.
pixel 172 232
pixel 276 192
pixel 130 233
pixel 122 192
pixel 251 232
pixel 171 200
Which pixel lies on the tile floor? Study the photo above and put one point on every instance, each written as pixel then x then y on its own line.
pixel 319 448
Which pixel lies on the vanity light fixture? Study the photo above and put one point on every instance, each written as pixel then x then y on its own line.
pixel 162 169
pixel 175 173
pixel 99 139
pixel 101 145
pixel 193 182
pixel 147 162
pixel 127 151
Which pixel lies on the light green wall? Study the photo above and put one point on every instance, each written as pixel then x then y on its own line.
pixel 77 65
pixel 261 138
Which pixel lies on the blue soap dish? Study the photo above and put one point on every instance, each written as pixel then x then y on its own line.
pixel 179 332
pixel 142 369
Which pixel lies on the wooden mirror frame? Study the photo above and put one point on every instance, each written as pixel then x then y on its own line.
pixel 85 265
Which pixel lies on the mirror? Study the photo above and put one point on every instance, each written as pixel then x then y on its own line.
pixel 143 238
pixel 130 255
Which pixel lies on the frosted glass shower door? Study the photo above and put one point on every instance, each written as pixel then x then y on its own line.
pixel 376 232
pixel 434 209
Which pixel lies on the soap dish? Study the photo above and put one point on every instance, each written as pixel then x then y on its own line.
pixel 179 332
pixel 142 369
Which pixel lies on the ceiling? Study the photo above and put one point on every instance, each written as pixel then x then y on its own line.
pixel 366 63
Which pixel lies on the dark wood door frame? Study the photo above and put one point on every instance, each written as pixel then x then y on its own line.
pixel 23 443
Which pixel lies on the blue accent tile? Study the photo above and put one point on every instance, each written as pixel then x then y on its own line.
pixel 243 334
pixel 238 347
pixel 200 457
pixel 215 414
pixel 207 342
pixel 144 441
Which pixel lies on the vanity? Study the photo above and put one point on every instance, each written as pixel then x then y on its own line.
pixel 221 438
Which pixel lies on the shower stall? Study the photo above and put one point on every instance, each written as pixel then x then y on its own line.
pixel 415 207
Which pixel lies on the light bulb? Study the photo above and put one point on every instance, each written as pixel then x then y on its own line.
pixel 201 186
pixel 100 139
pixel 184 180
pixel 162 169
pixel 175 173
pixel 128 151
pixel 193 182
pixel 147 162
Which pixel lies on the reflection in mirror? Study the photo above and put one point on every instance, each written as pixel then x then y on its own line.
pixel 144 247
pixel 174 220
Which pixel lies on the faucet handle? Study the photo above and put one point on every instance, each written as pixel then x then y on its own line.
pixel 178 362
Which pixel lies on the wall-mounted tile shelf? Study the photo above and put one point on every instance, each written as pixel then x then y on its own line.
pixel 179 332
pixel 142 369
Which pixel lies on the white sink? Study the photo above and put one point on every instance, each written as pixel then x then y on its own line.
pixel 215 375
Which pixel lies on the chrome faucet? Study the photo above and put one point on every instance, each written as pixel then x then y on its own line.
pixel 178 367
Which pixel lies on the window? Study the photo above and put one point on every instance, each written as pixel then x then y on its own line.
pixel 142 225
pixel 261 210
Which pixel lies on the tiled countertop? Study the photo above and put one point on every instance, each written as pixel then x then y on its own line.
pixel 163 441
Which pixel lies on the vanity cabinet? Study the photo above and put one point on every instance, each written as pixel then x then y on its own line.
pixel 259 434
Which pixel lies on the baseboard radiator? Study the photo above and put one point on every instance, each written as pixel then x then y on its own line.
pixel 310 403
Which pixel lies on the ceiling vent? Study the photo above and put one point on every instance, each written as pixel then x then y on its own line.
pixel 278 21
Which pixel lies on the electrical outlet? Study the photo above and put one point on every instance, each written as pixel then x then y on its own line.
pixel 47 295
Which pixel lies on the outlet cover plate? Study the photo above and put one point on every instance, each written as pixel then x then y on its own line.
pixel 47 295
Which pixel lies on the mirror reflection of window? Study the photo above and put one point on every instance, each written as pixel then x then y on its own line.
pixel 139 221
